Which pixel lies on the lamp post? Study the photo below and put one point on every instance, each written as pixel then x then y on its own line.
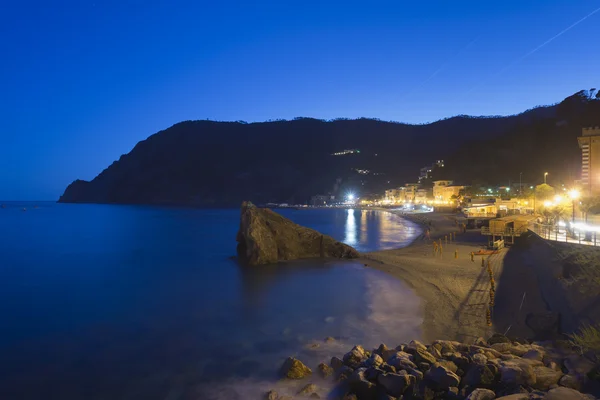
pixel 574 195
pixel 520 184
pixel 545 175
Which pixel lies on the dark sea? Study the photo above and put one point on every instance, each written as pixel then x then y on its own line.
pixel 132 302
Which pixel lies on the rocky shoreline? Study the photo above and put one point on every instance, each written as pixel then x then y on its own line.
pixel 500 368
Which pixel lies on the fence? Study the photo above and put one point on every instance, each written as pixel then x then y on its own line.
pixel 565 234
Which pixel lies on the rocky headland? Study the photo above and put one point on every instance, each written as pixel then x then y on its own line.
pixel 499 368
pixel 266 237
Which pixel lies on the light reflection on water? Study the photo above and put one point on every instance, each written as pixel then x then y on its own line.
pixel 365 230
pixel 145 303
pixel 350 229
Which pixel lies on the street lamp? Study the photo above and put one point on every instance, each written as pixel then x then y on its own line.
pixel 574 195
pixel 545 175
pixel 520 184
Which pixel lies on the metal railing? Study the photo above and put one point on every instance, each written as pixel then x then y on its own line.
pixel 485 230
pixel 565 234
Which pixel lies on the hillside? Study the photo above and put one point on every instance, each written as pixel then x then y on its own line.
pixel 547 144
pixel 208 163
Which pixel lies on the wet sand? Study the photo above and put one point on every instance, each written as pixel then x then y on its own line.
pixel 455 291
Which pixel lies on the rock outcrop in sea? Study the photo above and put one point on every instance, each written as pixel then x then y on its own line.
pixel 266 237
pixel 499 368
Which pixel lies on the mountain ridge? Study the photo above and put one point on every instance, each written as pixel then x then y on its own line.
pixel 208 163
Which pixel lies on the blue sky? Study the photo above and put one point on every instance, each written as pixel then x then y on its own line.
pixel 83 81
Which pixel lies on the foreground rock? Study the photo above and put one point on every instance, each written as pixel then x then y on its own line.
pixel 294 369
pixel 266 237
pixel 498 369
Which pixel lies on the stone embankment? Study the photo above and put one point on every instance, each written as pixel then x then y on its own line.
pixel 498 368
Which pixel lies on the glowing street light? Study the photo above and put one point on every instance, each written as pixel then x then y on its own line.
pixel 574 194
pixel 558 198
pixel 547 203
pixel 545 175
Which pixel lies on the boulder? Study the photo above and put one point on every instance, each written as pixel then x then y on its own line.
pixel 517 373
pixel 395 384
pixel 415 372
pixel 460 360
pixel 578 365
pixel 374 361
pixel 294 369
pixel 388 368
pixel 271 395
pixel 424 367
pixel 361 386
pixel 534 354
pixel 545 377
pixel 308 389
pixel 509 348
pixel 381 350
pixel 372 373
pixel 480 376
pixel 336 363
pixel 325 370
pixel 479 359
pixel 552 365
pixel 355 357
pixel 344 372
pixel 516 396
pixel 423 356
pixel 441 377
pixel 266 237
pixel 449 365
pixel 498 338
pixel 571 382
pixel 446 346
pixel 415 345
pixel 401 360
pixel 563 393
pixel 481 394
pixel 388 353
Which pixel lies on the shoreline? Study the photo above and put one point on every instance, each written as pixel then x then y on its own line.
pixel 454 291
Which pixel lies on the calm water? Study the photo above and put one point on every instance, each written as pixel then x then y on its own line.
pixel 123 302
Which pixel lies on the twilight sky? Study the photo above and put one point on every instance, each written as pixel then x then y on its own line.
pixel 83 81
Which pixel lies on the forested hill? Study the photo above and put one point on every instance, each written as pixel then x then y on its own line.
pixel 208 163
pixel 547 144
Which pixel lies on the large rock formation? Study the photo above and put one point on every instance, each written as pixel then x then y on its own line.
pixel 266 237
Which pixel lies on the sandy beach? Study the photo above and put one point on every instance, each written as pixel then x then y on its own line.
pixel 456 290
pixel 543 289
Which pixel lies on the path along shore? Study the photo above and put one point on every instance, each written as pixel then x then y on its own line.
pixel 456 291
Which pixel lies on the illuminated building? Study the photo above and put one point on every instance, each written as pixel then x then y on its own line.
pixel 589 143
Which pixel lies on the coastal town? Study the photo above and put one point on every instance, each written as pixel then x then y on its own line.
pixel 558 209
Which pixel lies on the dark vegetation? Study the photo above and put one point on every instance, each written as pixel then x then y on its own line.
pixel 208 163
